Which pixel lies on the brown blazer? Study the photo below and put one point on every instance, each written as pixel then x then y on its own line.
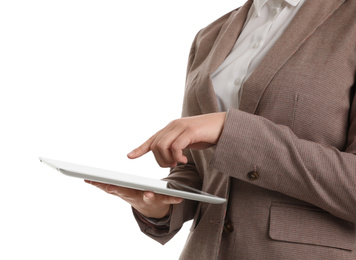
pixel 286 159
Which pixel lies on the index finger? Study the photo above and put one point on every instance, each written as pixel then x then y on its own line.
pixel 143 148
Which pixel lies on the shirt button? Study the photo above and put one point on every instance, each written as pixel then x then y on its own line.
pixel 237 81
pixel 256 45
pixel 228 227
pixel 253 175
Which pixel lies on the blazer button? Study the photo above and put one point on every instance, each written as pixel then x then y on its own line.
pixel 252 176
pixel 228 227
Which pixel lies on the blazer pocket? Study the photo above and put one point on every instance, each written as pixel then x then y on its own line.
pixel 310 225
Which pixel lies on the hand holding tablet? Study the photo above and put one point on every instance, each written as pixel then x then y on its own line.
pixel 149 204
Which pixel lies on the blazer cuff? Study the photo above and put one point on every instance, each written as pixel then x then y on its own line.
pixel 161 223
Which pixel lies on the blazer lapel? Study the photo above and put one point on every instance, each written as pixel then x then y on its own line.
pixel 311 15
pixel 224 43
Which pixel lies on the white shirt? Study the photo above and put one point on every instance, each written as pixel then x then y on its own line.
pixel 265 23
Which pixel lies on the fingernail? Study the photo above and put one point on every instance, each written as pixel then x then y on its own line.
pixel 148 195
pixel 130 154
pixel 110 189
pixel 178 200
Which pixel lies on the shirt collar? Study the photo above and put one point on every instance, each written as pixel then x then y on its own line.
pixel 258 4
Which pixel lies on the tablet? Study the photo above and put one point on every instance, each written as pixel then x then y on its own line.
pixel 132 181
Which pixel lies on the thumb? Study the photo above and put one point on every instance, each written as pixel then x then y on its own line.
pixel 148 197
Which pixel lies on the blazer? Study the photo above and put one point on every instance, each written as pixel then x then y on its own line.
pixel 286 158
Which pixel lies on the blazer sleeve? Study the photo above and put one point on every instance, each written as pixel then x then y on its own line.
pixel 256 150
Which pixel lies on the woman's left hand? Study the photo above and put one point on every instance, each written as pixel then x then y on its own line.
pixel 196 132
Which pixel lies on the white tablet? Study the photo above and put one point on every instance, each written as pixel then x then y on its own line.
pixel 132 181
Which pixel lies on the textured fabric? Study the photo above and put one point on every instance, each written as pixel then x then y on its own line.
pixel 286 159
pixel 265 23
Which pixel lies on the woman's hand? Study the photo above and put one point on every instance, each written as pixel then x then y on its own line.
pixel 149 204
pixel 197 132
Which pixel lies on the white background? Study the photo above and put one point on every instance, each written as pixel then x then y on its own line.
pixel 87 81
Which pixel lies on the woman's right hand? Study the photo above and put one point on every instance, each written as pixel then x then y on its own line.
pixel 149 204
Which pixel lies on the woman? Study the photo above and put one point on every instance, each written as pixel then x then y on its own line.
pixel 269 122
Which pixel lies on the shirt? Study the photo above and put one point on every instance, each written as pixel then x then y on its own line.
pixel 265 23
